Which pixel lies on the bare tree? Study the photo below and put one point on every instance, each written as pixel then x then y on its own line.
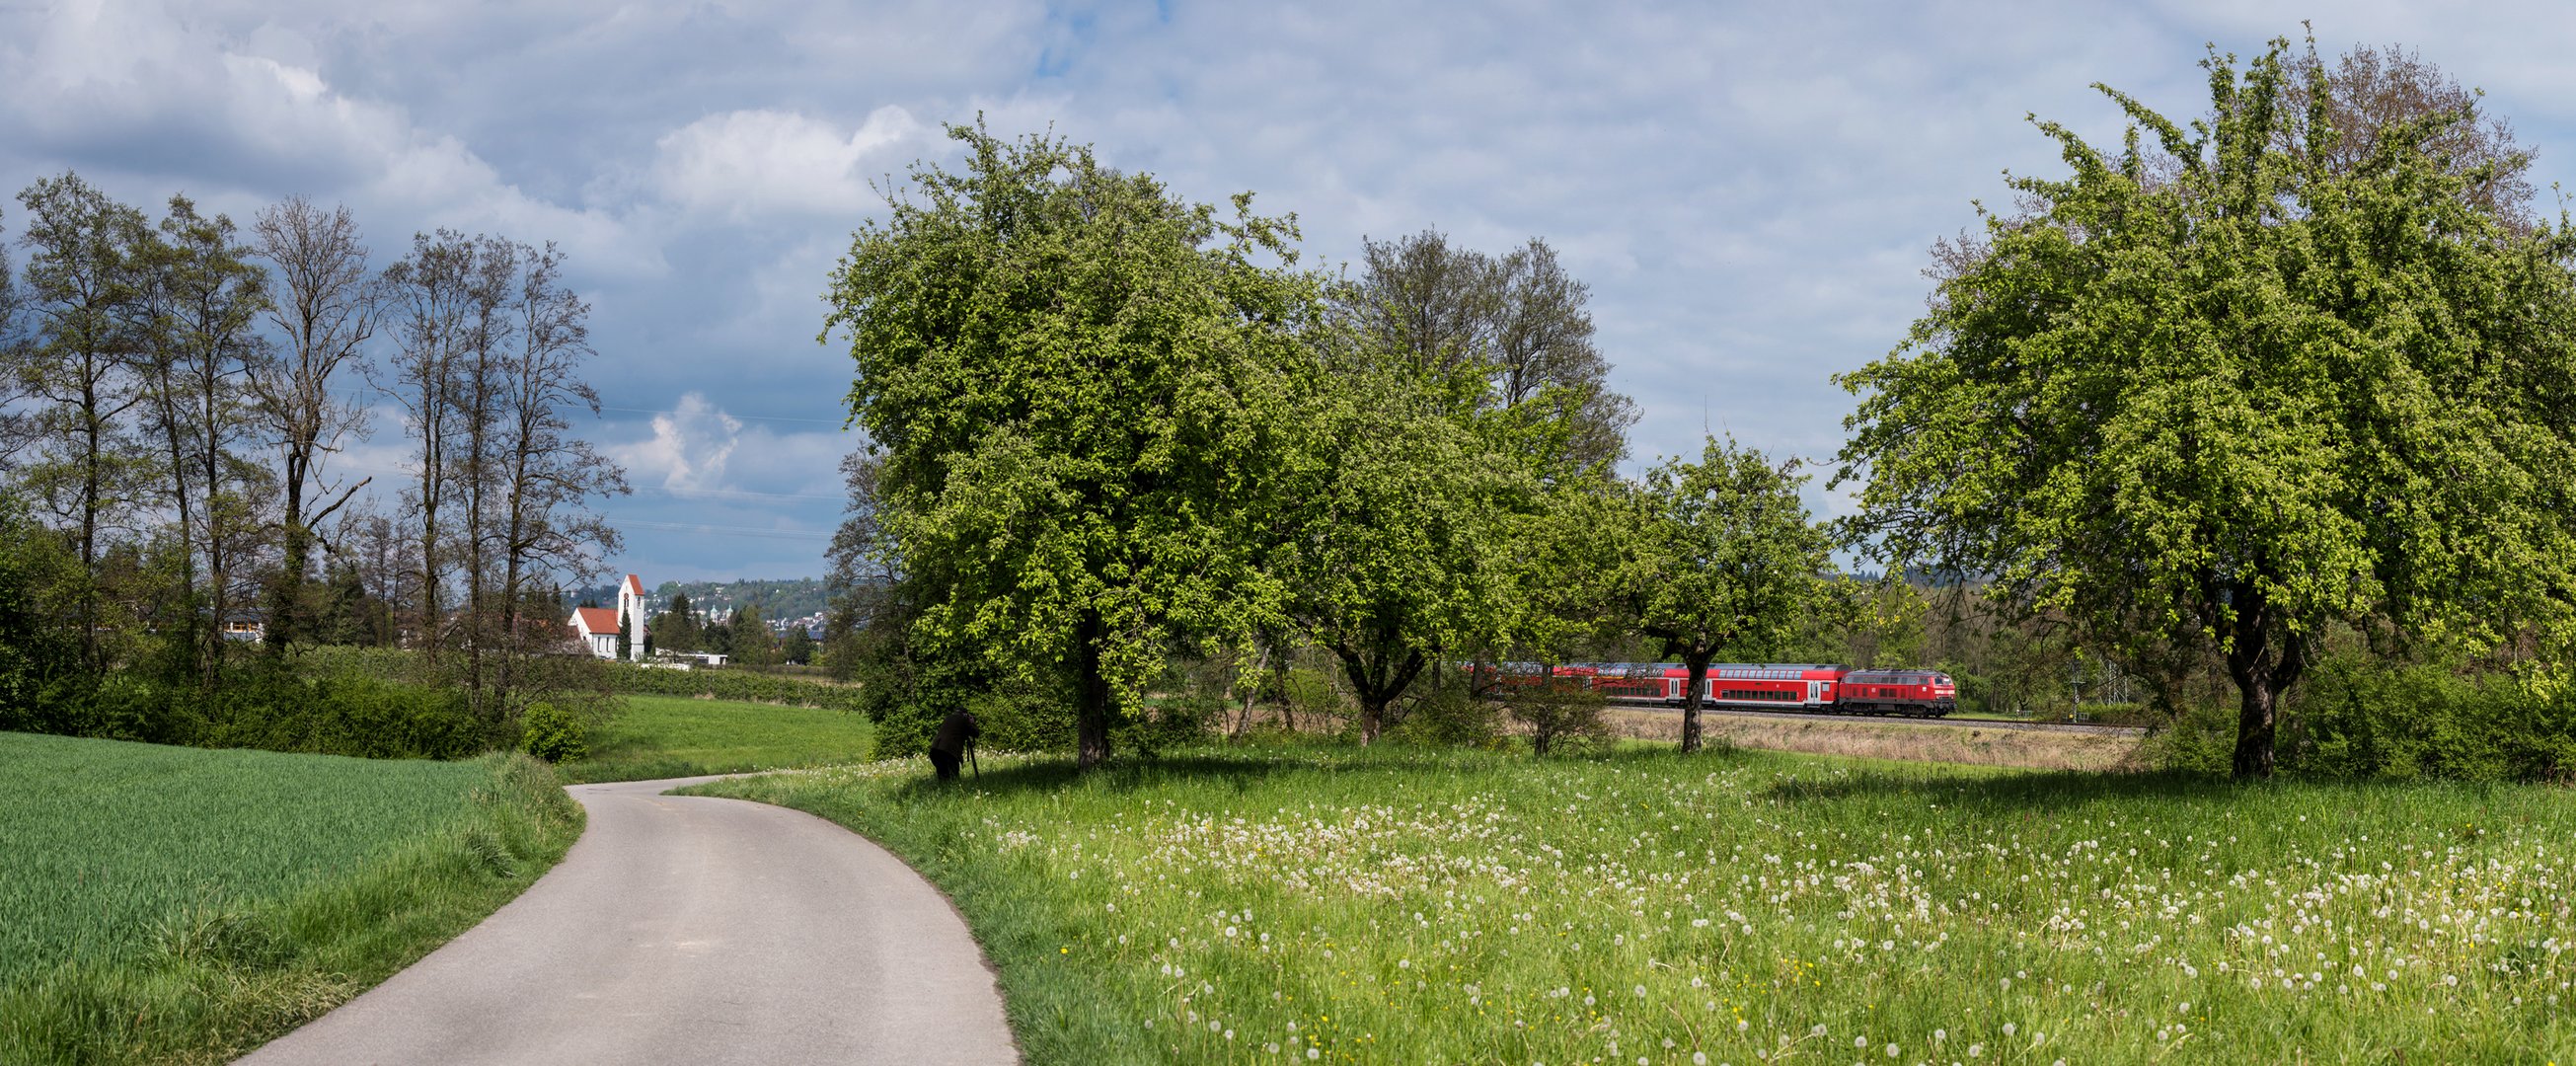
pixel 1511 330
pixel 2375 93
pixel 430 293
pixel 481 383
pixel 547 536
pixel 14 430
pixel 325 311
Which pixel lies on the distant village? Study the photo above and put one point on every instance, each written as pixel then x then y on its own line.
pixel 701 622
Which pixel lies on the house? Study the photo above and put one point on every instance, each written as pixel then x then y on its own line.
pixel 596 627
pixel 244 625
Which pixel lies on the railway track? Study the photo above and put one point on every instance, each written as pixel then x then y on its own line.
pixel 2093 728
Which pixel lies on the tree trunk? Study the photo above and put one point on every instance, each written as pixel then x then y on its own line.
pixel 2254 727
pixel 2261 677
pixel 1252 694
pixel 1377 685
pixel 1091 712
pixel 279 627
pixel 1697 661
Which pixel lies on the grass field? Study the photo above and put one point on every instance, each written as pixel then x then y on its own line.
pixel 174 904
pixel 1337 905
pixel 676 736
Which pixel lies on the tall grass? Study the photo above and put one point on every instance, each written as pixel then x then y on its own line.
pixel 675 736
pixel 178 905
pixel 1746 907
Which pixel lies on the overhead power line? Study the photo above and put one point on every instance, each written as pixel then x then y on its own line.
pixel 725 531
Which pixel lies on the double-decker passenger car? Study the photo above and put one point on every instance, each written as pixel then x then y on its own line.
pixel 1826 687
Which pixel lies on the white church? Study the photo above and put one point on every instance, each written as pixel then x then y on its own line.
pixel 596 627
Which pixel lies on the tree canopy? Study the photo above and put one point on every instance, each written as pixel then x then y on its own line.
pixel 2224 386
pixel 1077 383
pixel 1724 561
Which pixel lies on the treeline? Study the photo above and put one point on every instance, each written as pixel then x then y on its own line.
pixel 177 392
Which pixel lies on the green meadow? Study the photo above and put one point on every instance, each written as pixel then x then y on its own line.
pixel 185 905
pixel 1329 904
pixel 678 736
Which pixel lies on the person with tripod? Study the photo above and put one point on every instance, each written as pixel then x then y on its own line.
pixel 954 744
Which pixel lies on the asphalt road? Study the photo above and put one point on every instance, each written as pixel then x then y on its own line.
pixel 688 930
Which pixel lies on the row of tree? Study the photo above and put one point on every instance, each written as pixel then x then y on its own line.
pixel 2306 364
pixel 174 395
pixel 1110 426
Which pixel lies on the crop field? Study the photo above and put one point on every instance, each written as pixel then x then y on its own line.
pixel 175 904
pixel 1339 905
pixel 678 736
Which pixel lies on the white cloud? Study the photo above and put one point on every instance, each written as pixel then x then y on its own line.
pixel 762 161
pixel 148 92
pixel 688 450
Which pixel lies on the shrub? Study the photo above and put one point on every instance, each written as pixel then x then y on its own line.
pixel 1557 711
pixel 729 684
pixel 1313 703
pixel 2362 719
pixel 2355 718
pixel 1176 722
pixel 552 734
pixel 1449 716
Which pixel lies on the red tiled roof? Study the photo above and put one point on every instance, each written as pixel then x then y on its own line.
pixel 634 584
pixel 596 619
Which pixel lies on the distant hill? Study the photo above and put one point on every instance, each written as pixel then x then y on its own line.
pixel 792 598
pixel 780 599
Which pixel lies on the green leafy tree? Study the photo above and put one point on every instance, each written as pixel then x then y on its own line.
pixel 84 286
pixel 1390 559
pixel 1725 561
pixel 753 643
pixel 1076 382
pixel 678 628
pixel 797 646
pixel 625 632
pixel 2230 393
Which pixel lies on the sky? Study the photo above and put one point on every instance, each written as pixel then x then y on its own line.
pixel 1749 189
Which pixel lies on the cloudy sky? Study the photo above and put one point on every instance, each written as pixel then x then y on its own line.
pixel 1749 189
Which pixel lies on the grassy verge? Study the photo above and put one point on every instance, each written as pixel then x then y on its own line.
pixel 178 905
pixel 1751 907
pixel 677 736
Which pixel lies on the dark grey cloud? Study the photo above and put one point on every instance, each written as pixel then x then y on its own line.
pixel 1749 190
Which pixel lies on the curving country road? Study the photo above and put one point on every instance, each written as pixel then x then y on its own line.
pixel 688 929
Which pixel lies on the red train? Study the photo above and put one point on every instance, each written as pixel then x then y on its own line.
pixel 1824 688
